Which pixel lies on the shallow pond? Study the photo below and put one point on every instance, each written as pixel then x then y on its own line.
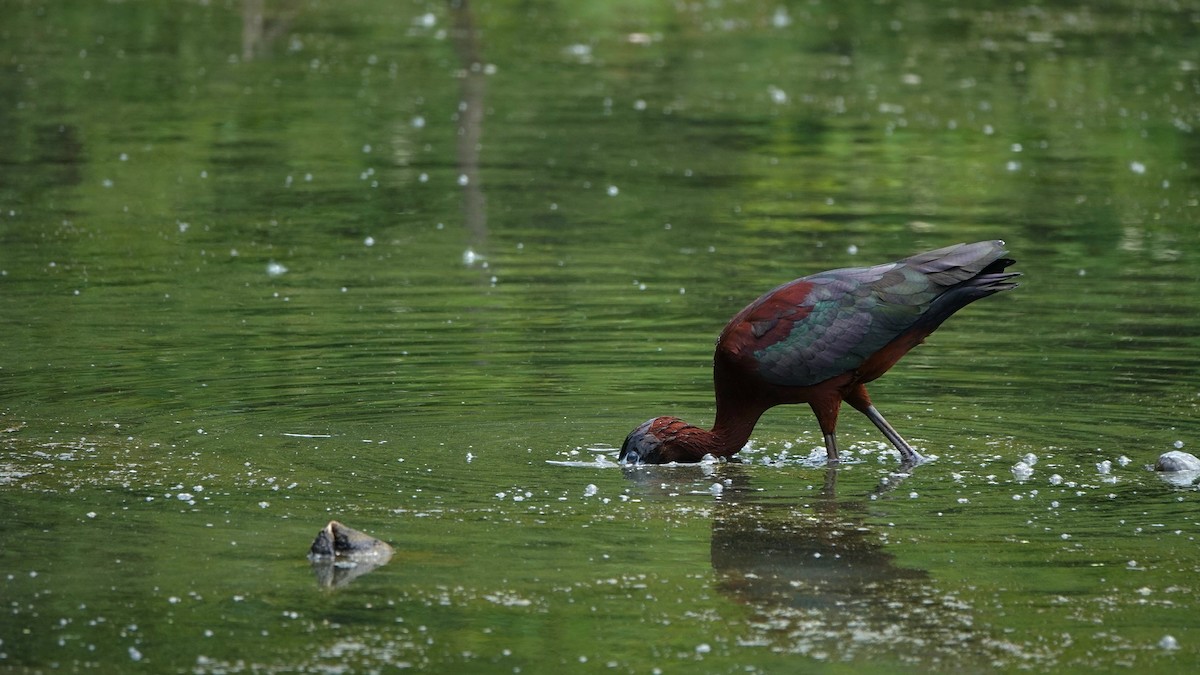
pixel 420 267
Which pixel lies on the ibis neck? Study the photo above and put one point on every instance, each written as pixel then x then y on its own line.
pixel 735 422
pixel 738 406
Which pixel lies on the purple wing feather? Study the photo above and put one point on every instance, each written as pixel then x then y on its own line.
pixel 821 326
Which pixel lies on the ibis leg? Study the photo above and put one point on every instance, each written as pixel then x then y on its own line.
pixel 861 401
pixel 907 454
pixel 831 453
pixel 826 410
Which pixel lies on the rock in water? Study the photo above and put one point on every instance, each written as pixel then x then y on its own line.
pixel 1177 468
pixel 336 541
pixel 1177 460
pixel 341 554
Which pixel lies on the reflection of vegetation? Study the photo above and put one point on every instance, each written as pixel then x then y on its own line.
pixel 743 146
pixel 841 115
pixel 650 167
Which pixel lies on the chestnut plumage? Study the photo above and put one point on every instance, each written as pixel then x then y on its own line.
pixel 819 340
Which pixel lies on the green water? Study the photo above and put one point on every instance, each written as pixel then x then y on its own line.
pixel 416 266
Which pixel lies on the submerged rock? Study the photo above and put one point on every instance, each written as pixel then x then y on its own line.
pixel 1177 460
pixel 1178 468
pixel 336 540
pixel 340 554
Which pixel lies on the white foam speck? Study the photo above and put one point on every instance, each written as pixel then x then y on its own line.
pixel 581 51
pixel 1022 471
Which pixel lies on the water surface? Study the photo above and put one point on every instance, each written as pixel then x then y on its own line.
pixel 420 268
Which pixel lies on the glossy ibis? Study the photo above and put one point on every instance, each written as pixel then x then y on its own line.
pixel 819 340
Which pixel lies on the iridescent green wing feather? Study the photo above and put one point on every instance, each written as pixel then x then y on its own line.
pixel 841 317
pixel 821 326
pixel 847 321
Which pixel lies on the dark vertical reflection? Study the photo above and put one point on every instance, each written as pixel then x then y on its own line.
pixel 258 32
pixel 252 28
pixel 60 154
pixel 466 39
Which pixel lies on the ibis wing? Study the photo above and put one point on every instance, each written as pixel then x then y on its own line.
pixel 824 325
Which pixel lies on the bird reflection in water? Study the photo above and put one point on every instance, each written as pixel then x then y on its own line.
pixel 820 578
pixel 769 551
